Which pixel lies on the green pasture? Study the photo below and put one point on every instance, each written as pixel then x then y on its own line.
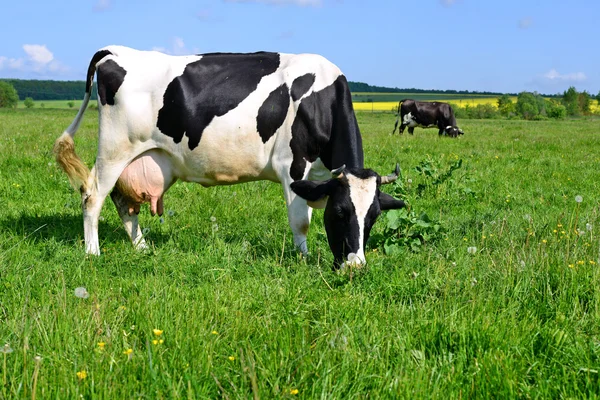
pixel 504 303
pixel 62 104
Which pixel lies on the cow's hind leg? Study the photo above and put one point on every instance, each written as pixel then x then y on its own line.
pixel 130 222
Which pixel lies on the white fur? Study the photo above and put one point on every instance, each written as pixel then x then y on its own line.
pixel 362 193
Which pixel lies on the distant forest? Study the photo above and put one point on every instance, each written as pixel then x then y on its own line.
pixel 74 90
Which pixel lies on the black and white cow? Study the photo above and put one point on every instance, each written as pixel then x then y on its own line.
pixel 225 118
pixel 427 115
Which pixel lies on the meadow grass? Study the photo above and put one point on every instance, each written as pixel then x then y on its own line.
pixel 242 315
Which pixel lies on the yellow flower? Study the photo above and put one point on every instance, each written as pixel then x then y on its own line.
pixel 554 231
pixel 592 262
pixel 559 225
pixel 161 341
pixel 483 237
pixel 128 351
pixel 215 332
pixel 571 265
pixel 155 341
pixel 157 332
pixel 81 374
pixel 294 391
pixel 231 358
pixel 544 241
pixel 101 345
pixel 580 262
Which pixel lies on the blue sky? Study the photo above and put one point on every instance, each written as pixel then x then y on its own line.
pixel 504 46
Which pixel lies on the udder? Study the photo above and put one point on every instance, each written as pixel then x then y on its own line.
pixel 146 180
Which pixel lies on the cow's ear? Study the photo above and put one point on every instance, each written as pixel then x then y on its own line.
pixel 387 202
pixel 313 190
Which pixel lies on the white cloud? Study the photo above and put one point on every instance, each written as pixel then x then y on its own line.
pixel 301 3
pixel 102 5
pixel 178 48
pixel 38 59
pixel 448 3
pixel 554 76
pixel 39 54
pixel 525 23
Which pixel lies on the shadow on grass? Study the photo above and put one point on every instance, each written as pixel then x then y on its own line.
pixel 65 229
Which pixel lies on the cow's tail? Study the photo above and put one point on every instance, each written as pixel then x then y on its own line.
pixel 398 116
pixel 64 147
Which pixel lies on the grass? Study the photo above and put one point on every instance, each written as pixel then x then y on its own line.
pixel 242 316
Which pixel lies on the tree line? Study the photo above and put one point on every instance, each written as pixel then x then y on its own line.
pixel 49 90
pixel 532 106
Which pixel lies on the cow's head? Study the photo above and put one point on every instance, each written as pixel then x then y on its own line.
pixel 353 204
pixel 453 131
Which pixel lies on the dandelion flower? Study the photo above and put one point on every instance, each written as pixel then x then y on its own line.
pixel 215 332
pixel 592 262
pixel 571 265
pixel 155 341
pixel 128 352
pixel 81 375
pixel 81 292
pixel 544 241
pixel 157 332
pixel 578 199
pixel 294 392
pixel 101 345
pixel 231 358
pixel 472 250
pixel 580 262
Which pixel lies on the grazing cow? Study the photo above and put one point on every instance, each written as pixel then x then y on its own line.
pixel 220 119
pixel 427 115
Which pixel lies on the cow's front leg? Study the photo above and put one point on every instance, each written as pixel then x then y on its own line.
pixel 299 214
pixel 130 222
pixel 401 130
pixel 411 129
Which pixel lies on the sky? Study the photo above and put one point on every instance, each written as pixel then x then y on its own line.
pixel 477 45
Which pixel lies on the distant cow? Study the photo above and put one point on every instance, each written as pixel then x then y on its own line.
pixel 427 115
pixel 226 118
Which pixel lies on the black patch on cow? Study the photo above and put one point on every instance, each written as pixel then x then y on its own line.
pixel 92 68
pixel 301 85
pixel 110 79
pixel 272 113
pixel 325 126
pixel 209 88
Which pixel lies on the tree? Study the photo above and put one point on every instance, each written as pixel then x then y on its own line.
pixel 9 98
pixel 584 100
pixel 570 100
pixel 555 110
pixel 527 105
pixel 506 106
pixel 28 102
pixel 598 98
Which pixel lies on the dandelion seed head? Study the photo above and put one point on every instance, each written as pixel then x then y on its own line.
pixel 588 227
pixel 37 359
pixel 81 292
pixel 215 227
pixel 472 250
pixel 170 213
pixel 161 220
pixel 6 349
pixel 213 218
pixel 409 181
pixel 145 231
pixel 578 199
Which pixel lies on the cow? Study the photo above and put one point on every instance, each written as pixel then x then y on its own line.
pixel 427 115
pixel 222 119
